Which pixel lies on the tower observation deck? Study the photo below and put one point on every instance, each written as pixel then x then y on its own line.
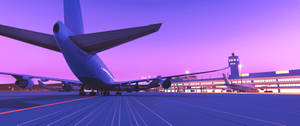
pixel 233 63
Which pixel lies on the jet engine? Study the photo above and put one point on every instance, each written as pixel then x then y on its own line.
pixel 166 83
pixel 155 83
pixel 24 83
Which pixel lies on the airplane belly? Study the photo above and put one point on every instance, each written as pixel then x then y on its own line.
pixel 87 67
pixel 95 83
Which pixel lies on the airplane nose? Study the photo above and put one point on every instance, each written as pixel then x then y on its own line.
pixel 56 28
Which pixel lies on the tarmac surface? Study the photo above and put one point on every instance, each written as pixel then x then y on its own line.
pixel 149 109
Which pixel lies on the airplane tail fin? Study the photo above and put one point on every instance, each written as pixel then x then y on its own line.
pixel 73 17
pixel 227 82
pixel 97 42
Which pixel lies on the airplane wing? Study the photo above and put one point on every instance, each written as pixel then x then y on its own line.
pixel 172 76
pixel 25 81
pixel 166 80
pixel 44 79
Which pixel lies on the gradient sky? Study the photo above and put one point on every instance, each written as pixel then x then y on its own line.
pixel 196 35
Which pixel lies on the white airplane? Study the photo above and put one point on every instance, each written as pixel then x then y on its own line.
pixel 79 51
pixel 239 88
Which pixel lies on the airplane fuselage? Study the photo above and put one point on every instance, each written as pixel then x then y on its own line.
pixel 241 88
pixel 87 67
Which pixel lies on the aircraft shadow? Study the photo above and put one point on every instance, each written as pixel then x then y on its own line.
pixel 165 95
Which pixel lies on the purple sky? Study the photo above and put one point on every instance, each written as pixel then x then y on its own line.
pixel 196 35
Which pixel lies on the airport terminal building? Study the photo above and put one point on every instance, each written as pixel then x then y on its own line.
pixel 287 81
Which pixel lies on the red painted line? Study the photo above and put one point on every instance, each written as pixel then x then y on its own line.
pixel 40 106
pixel 249 93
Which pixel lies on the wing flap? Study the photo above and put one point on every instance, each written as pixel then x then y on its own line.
pixel 31 37
pixel 41 84
pixel 55 88
pixel 97 42
pixel 43 78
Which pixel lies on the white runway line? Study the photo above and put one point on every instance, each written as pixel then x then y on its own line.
pixel 130 118
pixel 64 117
pixel 114 115
pixel 24 123
pixel 89 114
pixel 139 115
pixel 119 121
pixel 130 110
pixel 229 113
pixel 108 112
pixel 154 113
pixel 94 117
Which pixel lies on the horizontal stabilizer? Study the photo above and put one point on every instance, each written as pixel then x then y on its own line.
pixel 97 42
pixel 31 37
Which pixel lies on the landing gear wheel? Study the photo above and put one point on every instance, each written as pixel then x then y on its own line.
pixel 81 91
pixel 118 93
pixel 93 93
pixel 106 93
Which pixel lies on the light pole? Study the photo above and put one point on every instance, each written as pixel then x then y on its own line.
pixel 240 69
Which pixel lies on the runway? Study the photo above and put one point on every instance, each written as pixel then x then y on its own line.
pixel 149 109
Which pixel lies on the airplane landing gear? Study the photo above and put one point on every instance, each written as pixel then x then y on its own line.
pixel 81 91
pixel 92 93
pixel 118 93
pixel 106 93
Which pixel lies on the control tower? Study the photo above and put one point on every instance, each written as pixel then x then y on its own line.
pixel 233 62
